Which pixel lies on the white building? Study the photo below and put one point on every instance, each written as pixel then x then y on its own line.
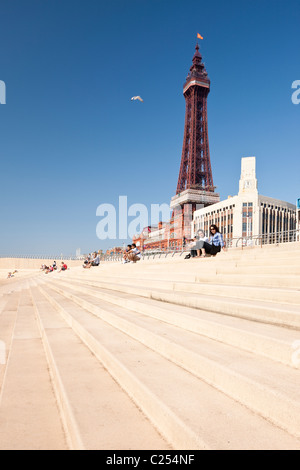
pixel 249 214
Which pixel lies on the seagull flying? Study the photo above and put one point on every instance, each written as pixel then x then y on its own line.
pixel 137 98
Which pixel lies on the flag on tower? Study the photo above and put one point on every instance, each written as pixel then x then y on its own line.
pixel 199 36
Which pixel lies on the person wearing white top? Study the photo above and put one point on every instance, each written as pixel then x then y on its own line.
pixel 134 254
pixel 94 262
pixel 200 238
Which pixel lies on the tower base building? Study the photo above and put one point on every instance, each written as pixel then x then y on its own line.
pixel 249 216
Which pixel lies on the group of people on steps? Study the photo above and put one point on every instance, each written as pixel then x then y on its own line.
pixel 202 245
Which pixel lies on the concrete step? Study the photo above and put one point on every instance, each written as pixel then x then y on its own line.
pixel 266 250
pixel 192 271
pixel 231 352
pixel 240 261
pixel 3 300
pixel 277 314
pixel 263 339
pixel 29 417
pixel 208 262
pixel 97 412
pixel 275 280
pixel 266 294
pixel 19 278
pixel 123 304
pixel 273 261
pixel 8 317
pixel 270 253
pixel 153 387
pixel 282 269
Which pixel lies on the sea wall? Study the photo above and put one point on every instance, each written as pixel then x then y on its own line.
pixel 26 263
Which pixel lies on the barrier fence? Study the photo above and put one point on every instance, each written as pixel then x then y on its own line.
pixel 231 243
pixel 41 257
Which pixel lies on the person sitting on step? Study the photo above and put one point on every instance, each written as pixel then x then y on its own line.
pixel 93 262
pixel 192 248
pixel 64 267
pixel 125 254
pixel 200 238
pixel 134 254
pixel 215 244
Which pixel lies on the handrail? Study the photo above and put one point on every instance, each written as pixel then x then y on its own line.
pixel 288 236
pixel 231 243
pixel 42 257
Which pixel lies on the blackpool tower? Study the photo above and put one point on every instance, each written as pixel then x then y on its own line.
pixel 195 186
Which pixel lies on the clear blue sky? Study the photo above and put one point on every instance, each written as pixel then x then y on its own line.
pixel 71 139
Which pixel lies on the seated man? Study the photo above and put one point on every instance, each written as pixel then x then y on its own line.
pixel 134 254
pixel 125 254
pixel 193 250
pixel 64 267
pixel 86 261
pixel 200 238
pixel 94 262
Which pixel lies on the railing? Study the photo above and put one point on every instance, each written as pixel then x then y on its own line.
pixel 231 243
pixel 288 236
pixel 148 254
pixel 41 257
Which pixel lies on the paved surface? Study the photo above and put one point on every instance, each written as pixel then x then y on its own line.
pixel 161 354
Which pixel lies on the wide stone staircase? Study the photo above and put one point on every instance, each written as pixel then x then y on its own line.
pixel 164 354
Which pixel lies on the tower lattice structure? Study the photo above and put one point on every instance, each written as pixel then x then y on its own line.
pixel 195 169
pixel 195 187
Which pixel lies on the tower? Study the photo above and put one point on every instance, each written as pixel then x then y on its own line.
pixel 195 186
pixel 195 169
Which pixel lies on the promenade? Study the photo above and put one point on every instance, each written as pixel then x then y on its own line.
pixel 163 354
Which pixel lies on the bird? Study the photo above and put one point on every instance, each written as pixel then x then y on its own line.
pixel 137 98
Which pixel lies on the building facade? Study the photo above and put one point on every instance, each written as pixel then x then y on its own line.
pixel 249 214
pixel 298 219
